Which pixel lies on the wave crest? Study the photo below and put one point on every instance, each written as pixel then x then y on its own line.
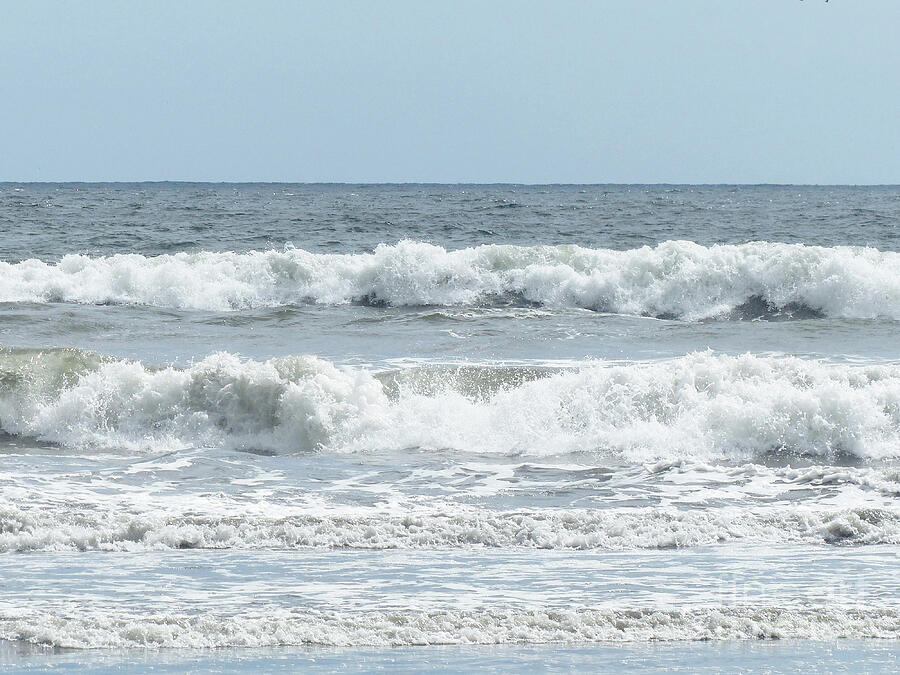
pixel 701 406
pixel 444 627
pixel 677 279
pixel 450 527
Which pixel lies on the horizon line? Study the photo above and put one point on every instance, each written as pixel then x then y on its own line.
pixel 432 183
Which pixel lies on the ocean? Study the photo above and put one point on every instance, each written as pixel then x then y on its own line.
pixel 449 427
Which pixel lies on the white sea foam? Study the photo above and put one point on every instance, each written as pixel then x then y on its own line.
pixel 675 278
pixel 500 626
pixel 701 406
pixel 38 528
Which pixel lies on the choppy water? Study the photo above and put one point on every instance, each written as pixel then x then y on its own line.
pixel 281 415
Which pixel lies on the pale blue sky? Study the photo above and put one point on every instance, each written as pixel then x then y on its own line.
pixel 628 91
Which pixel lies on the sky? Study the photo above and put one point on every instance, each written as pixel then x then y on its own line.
pixel 631 91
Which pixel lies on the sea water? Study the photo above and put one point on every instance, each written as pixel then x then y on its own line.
pixel 277 426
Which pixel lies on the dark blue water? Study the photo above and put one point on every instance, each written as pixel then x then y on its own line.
pixel 47 220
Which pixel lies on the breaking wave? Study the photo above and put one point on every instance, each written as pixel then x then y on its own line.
pixel 445 627
pixel 451 527
pixel 700 406
pixel 676 279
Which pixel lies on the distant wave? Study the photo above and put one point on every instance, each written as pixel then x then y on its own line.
pixel 700 406
pixel 340 627
pixel 676 279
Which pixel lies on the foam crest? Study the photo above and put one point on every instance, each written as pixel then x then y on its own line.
pixel 452 527
pixel 701 406
pixel 500 626
pixel 292 403
pixel 674 279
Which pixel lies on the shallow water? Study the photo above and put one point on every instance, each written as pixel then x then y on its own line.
pixel 876 656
